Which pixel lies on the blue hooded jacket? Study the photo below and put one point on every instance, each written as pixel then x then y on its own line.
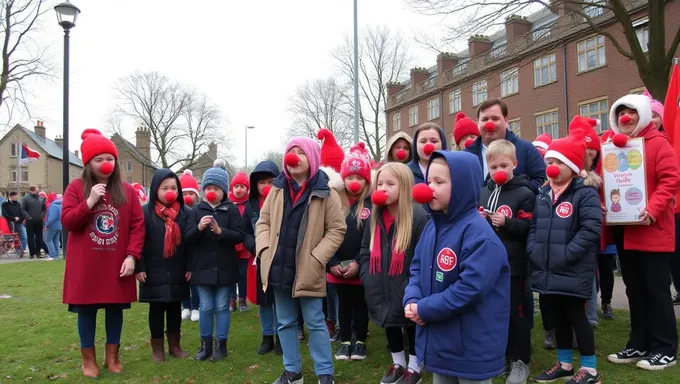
pixel 418 176
pixel 53 220
pixel 460 279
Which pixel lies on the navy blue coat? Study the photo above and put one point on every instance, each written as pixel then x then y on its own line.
pixel 564 240
pixel 418 176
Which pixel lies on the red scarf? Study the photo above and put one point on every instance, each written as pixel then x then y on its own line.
pixel 397 262
pixel 173 235
pixel 240 203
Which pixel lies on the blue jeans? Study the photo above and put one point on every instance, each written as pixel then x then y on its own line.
pixel 23 238
pixel 214 300
pixel 319 340
pixel 87 324
pixel 52 237
pixel 242 274
pixel 191 302
pixel 591 306
pixel 268 319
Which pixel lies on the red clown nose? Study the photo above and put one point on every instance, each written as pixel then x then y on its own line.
pixel 401 155
pixel 500 178
pixel 620 139
pixel 291 160
pixel 170 196
pixel 428 149
pixel 211 196
pixel 188 200
pixel 552 171
pixel 422 193
pixel 266 190
pixel 379 197
pixel 354 187
pixel 490 127
pixel 468 143
pixel 106 168
pixel 625 119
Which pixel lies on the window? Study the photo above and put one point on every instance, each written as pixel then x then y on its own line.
pixel 13 150
pixel 433 109
pixel 643 38
pixel 23 174
pixel 637 91
pixel 497 52
pixel 591 53
pixel 479 93
pixel 413 116
pixel 14 175
pixel 596 109
pixel 459 69
pixel 541 33
pixel 510 82
pixel 545 70
pixel 396 121
pixel 594 10
pixel 128 166
pixel 514 127
pixel 548 122
pixel 455 102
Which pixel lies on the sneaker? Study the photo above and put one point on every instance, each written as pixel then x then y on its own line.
pixel 549 340
pixel 585 377
pixel 676 298
pixel 628 355
pixel 519 373
pixel 554 373
pixel 232 305
pixel 607 312
pixel 195 315
pixel 412 377
pixel 344 352
pixel 290 378
pixel 359 351
pixel 393 375
pixel 657 362
pixel 186 313
pixel 326 379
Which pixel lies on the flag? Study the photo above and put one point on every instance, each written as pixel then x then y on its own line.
pixel 671 117
pixel 28 155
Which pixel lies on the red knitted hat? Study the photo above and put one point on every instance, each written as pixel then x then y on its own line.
pixel 240 178
pixel 542 141
pixel 141 192
pixel 188 182
pixel 94 144
pixel 331 152
pixel 570 150
pixel 357 162
pixel 587 127
pixel 464 126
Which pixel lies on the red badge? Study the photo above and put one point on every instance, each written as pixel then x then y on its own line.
pixel 505 211
pixel 564 210
pixel 365 213
pixel 447 260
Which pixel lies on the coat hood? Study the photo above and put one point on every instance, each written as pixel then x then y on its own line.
pixel 158 177
pixel 392 141
pixel 641 104
pixel 263 170
pixel 335 180
pixel 591 179
pixel 416 158
pixel 465 174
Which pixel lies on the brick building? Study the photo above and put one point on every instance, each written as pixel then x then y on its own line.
pixel 135 159
pixel 547 67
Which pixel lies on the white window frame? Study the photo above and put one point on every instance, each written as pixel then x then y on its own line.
pixel 515 127
pixel 545 70
pixel 396 121
pixel 595 10
pixel 509 82
pixel 455 101
pixel 601 111
pixel 413 116
pixel 596 48
pixel 433 109
pixel 480 92
pixel 642 32
pixel 552 127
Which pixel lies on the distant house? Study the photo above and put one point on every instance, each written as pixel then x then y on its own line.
pixel 204 162
pixel 135 159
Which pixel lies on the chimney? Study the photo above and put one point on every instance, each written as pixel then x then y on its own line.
pixel 143 141
pixel 516 26
pixel 418 75
pixel 212 150
pixel 39 129
pixel 445 62
pixel 59 140
pixel 478 44
pixel 394 88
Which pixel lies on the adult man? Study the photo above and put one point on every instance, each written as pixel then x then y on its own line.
pixel 11 211
pixel 494 112
pixel 35 208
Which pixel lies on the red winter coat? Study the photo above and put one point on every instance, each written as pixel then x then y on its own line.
pixel 99 240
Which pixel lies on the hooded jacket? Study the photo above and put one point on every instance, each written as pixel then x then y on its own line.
pixel 53 219
pixel 529 160
pixel 414 164
pixel 460 280
pixel 516 201
pixel 393 140
pixel 34 206
pixel 165 277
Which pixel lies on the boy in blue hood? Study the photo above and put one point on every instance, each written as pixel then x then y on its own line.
pixel 458 291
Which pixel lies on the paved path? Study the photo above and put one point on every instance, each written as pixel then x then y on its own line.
pixel 15 259
pixel 620 301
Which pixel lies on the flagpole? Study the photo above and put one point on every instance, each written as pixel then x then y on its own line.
pixel 18 168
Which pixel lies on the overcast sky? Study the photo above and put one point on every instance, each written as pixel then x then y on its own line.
pixel 247 56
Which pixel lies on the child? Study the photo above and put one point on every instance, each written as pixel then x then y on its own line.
pixel 343 266
pixel 214 230
pixel 465 131
pixel 429 137
pixel 386 251
pixel 294 262
pixel 262 178
pixel 562 246
pixel 645 251
pixel 542 142
pixel 190 196
pixel 238 194
pixel 162 271
pixel 105 240
pixel 399 148
pixel 53 228
pixel 458 290
pixel 511 202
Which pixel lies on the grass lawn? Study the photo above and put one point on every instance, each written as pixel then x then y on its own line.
pixel 39 343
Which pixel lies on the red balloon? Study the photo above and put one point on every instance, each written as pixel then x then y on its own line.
pixel 106 168
pixel 428 149
pixel 211 196
pixel 490 126
pixel 401 155
pixel 468 142
pixel 188 200
pixel 552 171
pixel 354 187
pixel 620 139
pixel 625 119
pixel 266 190
pixel 379 197
pixel 170 196
pixel 291 159
pixel 422 193
pixel 500 178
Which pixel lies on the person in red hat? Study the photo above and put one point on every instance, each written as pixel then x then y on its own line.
pixel 542 142
pixel 105 227
pixel 238 194
pixel 141 193
pixel 465 131
pixel 332 154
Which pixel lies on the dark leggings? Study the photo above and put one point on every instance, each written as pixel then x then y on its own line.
pixel 87 325
pixel 395 339
pixel 159 313
pixel 605 267
pixel 352 307
pixel 519 332
pixel 546 313
pixel 570 312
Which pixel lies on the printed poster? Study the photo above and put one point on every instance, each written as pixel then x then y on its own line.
pixel 623 171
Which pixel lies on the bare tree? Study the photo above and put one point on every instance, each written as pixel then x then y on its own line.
pixel 383 58
pixel 274 156
pixel 22 58
pixel 320 104
pixel 202 126
pixel 653 62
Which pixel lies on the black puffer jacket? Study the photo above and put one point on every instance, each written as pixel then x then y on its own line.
pixel 384 293
pixel 165 277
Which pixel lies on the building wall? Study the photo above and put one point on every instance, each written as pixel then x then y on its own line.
pixel 138 171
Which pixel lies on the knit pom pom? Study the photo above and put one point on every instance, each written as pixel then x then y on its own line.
pixel 188 172
pixel 422 193
pixel 219 163
pixel 552 171
pixel 460 115
pixel 379 197
pixel 89 132
pixel 592 122
pixel 500 178
pixel 291 160
pixel 620 140
pixel 490 126
pixel 323 133
pixel 428 149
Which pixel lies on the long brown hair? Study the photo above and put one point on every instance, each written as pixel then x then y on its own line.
pixel 114 185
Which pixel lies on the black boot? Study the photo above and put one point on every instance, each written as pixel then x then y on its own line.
pixel 266 346
pixel 278 349
pixel 220 350
pixel 206 349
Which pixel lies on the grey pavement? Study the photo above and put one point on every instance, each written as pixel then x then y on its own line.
pixel 620 301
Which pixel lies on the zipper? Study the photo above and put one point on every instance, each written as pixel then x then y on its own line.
pixel 547 261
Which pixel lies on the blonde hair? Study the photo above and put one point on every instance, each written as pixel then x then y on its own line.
pixel 404 220
pixel 501 148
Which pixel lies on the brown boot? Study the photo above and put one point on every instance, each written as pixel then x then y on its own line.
pixel 174 348
pixel 90 368
pixel 111 361
pixel 157 350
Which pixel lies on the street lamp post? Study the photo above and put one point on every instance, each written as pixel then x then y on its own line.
pixel 356 73
pixel 67 15
pixel 247 128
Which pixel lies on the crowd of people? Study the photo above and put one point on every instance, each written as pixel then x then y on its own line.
pixel 440 248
